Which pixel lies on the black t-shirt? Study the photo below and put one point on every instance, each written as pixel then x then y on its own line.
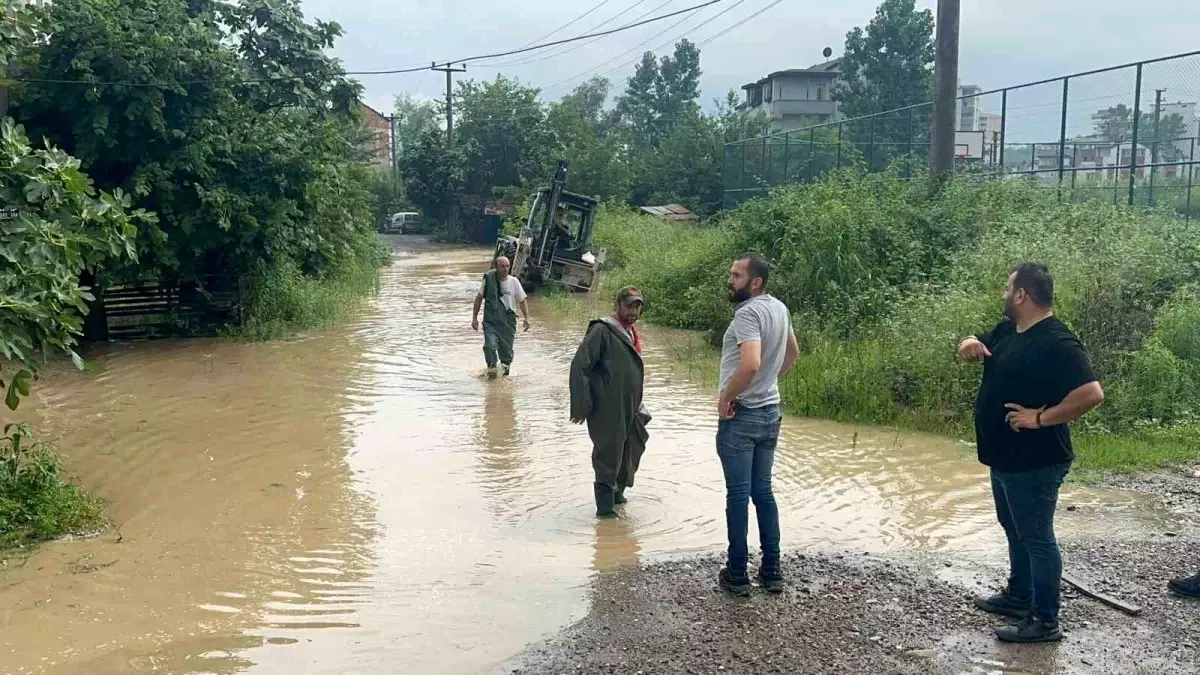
pixel 1032 369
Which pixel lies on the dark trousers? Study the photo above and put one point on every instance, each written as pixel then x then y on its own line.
pixel 1025 505
pixel 499 333
pixel 746 446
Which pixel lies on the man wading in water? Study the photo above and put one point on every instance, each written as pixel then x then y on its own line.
pixel 500 293
pixel 1036 379
pixel 606 392
pixel 758 349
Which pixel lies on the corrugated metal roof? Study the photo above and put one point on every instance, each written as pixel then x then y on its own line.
pixel 670 212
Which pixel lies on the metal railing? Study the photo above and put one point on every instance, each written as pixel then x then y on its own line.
pixel 1125 133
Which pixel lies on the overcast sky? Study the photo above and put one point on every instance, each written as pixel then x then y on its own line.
pixel 1004 42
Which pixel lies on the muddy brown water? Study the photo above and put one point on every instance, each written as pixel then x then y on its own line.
pixel 362 500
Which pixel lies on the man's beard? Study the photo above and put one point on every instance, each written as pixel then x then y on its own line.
pixel 1010 311
pixel 738 295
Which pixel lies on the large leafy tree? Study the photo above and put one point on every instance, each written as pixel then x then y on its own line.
pixel 581 131
pixel 227 119
pixel 889 64
pixel 433 175
pixel 414 118
pixel 502 130
pixel 660 93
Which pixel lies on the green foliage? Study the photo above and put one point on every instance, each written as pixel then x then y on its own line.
pixel 55 226
pixel 35 503
pixel 884 280
pixel 245 146
pixel 888 65
pixel 433 175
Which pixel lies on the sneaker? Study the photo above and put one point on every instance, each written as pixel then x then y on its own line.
pixel 1030 629
pixel 1186 587
pixel 735 584
pixel 1005 605
pixel 772 582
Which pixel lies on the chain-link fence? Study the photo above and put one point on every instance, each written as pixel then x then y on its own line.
pixel 1127 133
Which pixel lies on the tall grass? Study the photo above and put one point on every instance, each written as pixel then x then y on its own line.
pixel 883 281
pixel 284 300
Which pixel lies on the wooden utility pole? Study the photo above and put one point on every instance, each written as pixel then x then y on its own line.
pixel 945 91
pixel 449 70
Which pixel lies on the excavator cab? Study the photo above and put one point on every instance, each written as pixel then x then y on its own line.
pixel 555 245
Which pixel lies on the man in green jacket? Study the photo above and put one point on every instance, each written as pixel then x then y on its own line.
pixel 500 293
pixel 606 392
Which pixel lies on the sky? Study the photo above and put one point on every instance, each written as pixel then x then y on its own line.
pixel 1003 42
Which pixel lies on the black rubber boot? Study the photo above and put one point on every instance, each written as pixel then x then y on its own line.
pixel 619 497
pixel 1186 587
pixel 605 499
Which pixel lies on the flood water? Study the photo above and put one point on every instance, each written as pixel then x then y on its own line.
pixel 363 500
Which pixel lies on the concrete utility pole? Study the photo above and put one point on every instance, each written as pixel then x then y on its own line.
pixel 945 91
pixel 449 70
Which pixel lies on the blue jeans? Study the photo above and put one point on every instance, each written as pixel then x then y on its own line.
pixel 1025 505
pixel 746 446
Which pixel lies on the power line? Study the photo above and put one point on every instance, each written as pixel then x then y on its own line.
pixel 395 71
pixel 618 56
pixel 675 39
pixel 568 24
pixel 740 23
pixel 544 45
pixel 556 53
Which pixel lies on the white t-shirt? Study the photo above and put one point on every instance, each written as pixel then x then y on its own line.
pixel 511 292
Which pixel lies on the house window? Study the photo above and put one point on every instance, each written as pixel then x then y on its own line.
pixel 769 91
pixel 820 92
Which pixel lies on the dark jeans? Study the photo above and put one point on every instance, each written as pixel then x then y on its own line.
pixel 746 446
pixel 1025 504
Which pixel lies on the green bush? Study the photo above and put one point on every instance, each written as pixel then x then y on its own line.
pixel 35 503
pixel 884 280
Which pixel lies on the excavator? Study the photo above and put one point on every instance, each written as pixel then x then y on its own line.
pixel 555 244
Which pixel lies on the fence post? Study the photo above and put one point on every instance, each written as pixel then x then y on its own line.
pixel 1187 214
pixel 765 180
pixel 871 160
pixel 743 191
pixel 1003 123
pixel 1117 176
pixel 839 142
pixel 1137 112
pixel 787 144
pixel 1154 147
pixel 1074 169
pixel 908 153
pixel 1062 140
pixel 812 153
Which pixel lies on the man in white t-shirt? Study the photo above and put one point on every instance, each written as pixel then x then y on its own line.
pixel 500 293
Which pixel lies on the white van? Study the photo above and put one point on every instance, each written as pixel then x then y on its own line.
pixel 405 222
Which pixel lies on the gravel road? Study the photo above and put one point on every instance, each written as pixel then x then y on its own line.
pixel 854 613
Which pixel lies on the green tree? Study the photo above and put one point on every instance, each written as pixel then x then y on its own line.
pixel 414 118
pixel 889 64
pixel 1114 124
pixel 434 177
pixel 241 133
pixel 659 94
pixel 581 132
pixel 502 131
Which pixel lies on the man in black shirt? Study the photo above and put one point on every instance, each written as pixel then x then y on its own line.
pixel 1036 380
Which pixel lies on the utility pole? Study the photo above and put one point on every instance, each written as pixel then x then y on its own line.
pixel 449 70
pixel 1154 146
pixel 945 92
